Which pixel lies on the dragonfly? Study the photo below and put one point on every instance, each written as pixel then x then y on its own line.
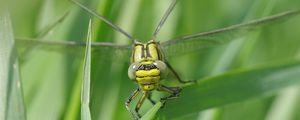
pixel 149 65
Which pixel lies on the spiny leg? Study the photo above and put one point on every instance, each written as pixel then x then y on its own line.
pixel 177 76
pixel 128 101
pixel 140 102
pixel 150 99
pixel 174 91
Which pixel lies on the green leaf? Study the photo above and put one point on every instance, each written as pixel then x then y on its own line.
pixel 85 93
pixel 56 77
pixel 233 87
pixel 11 96
pixel 151 113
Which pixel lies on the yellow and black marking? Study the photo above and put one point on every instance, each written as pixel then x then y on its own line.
pixel 147 68
pixel 148 76
pixel 148 64
pixel 148 51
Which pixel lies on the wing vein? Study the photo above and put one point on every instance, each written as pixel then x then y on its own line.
pixel 250 24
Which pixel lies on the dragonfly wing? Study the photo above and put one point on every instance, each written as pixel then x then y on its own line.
pixel 119 52
pixel 188 46
pixel 220 36
pixel 104 49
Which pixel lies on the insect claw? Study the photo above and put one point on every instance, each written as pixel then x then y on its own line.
pixel 190 82
pixel 194 81
pixel 153 103
pixel 135 115
pixel 177 90
pixel 163 101
pixel 138 115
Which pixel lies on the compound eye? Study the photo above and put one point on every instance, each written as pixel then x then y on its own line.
pixel 161 66
pixel 132 69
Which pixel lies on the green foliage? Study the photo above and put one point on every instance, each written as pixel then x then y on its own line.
pixel 244 79
pixel 152 112
pixel 86 81
pixel 233 87
pixel 11 97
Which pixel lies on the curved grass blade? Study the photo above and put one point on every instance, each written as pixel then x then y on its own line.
pixel 85 93
pixel 11 97
pixel 150 115
pixel 220 36
pixel 233 87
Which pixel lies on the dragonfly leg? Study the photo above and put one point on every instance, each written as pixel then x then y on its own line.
pixel 177 76
pixel 174 91
pixel 150 99
pixel 128 101
pixel 140 102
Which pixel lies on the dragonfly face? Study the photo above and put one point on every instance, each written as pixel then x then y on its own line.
pixel 147 67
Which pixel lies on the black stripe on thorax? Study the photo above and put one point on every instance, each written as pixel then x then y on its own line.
pixel 142 49
pixel 148 51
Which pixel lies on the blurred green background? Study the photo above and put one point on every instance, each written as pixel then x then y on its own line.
pixel 51 78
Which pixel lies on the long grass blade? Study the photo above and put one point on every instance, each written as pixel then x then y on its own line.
pixel 11 96
pixel 150 115
pixel 233 87
pixel 86 81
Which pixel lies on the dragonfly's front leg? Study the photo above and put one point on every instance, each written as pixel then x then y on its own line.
pixel 177 76
pixel 128 101
pixel 140 102
pixel 174 91
pixel 150 99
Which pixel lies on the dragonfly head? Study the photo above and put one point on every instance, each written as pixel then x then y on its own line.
pixel 147 73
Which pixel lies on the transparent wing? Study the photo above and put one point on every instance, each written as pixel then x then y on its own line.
pixel 104 49
pixel 221 36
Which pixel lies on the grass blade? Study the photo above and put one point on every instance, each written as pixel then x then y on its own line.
pixel 233 87
pixel 11 97
pixel 85 94
pixel 151 113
